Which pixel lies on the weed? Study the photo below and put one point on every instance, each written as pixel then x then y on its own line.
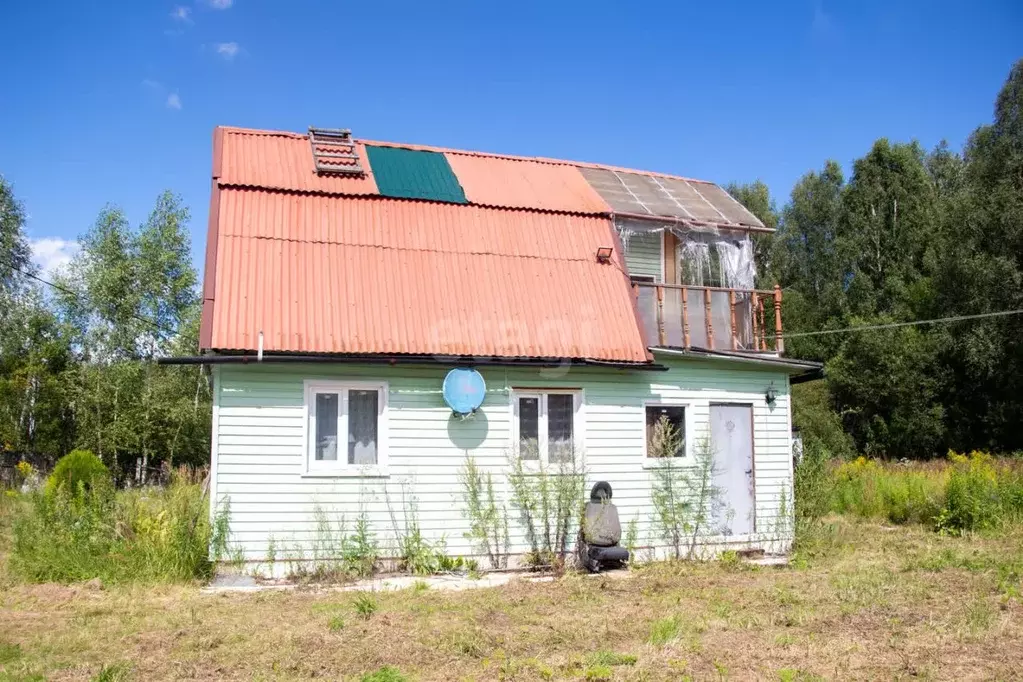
pixel 336 623
pixel 386 674
pixel 599 673
pixel 611 659
pixel 794 675
pixel 365 605
pixel 337 554
pixel 117 672
pixel 631 539
pixel 730 559
pixel 9 652
pixel 420 586
pixel 549 498
pixel 142 535
pixel 488 520
pixel 684 496
pixel 665 630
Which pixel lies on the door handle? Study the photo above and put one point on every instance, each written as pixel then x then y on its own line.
pixel 749 472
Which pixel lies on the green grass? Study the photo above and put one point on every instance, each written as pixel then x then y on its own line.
pixel 148 535
pixel 665 630
pixel 964 493
pixel 872 602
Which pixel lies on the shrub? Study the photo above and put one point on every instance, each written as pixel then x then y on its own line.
pixel 549 498
pixel 972 494
pixel 144 535
pixel 488 520
pixel 685 499
pixel 76 470
pixel 898 493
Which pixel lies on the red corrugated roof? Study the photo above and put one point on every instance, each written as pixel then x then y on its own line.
pixel 278 160
pixel 499 181
pixel 360 275
pixel 324 264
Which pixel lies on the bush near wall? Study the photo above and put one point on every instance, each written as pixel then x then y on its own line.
pixel 147 535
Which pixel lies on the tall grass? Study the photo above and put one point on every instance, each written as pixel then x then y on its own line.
pixel 143 535
pixel 966 492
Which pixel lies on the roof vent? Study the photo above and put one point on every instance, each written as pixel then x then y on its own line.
pixel 334 151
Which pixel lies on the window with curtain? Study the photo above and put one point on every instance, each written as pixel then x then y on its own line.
pixel 546 425
pixel 343 414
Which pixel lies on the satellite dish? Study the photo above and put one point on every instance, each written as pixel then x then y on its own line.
pixel 464 390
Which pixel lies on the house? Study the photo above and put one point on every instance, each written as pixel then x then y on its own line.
pixel 345 278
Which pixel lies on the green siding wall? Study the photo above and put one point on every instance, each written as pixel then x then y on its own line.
pixel 643 254
pixel 259 445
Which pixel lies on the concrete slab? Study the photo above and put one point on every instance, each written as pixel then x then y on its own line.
pixel 239 584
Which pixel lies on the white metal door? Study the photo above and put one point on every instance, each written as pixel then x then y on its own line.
pixel 731 437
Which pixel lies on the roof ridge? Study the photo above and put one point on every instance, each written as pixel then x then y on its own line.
pixel 467 152
pixel 535 159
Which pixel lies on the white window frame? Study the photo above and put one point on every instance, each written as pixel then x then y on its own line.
pixel 340 466
pixel 542 444
pixel 687 417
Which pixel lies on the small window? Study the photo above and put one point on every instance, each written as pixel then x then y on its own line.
pixel 343 414
pixel 674 419
pixel 546 426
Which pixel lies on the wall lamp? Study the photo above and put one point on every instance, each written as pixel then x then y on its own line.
pixel 604 254
pixel 771 394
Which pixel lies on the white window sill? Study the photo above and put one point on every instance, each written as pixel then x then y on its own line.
pixel 364 472
pixel 659 462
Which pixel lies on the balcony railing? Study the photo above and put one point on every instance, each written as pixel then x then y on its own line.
pixel 713 318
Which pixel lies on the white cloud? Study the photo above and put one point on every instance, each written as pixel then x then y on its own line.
pixel 173 101
pixel 52 253
pixel 150 84
pixel 228 50
pixel 182 13
pixel 220 4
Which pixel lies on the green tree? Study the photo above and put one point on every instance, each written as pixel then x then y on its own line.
pixel 133 299
pixel 979 269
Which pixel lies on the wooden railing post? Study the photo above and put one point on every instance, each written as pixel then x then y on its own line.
pixel 731 307
pixel 661 340
pixel 754 304
pixel 779 342
pixel 707 319
pixel 685 317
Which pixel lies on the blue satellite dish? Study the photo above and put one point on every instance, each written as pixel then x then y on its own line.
pixel 464 390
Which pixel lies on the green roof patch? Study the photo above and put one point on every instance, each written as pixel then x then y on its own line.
pixel 412 174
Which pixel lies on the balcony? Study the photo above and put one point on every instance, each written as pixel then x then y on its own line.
pixel 710 318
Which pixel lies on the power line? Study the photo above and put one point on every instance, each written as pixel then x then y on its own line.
pixel 69 292
pixel 892 325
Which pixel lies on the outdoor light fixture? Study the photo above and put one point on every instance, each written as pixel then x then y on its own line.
pixel 771 395
pixel 604 254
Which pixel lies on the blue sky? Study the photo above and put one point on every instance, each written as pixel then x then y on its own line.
pixel 112 102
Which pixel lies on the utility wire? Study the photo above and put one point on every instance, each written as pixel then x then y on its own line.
pixel 793 335
pixel 69 292
pixel 893 325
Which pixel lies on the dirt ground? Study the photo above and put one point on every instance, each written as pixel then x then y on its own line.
pixel 865 602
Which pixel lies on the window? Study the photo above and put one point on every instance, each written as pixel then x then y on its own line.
pixel 676 417
pixel 346 426
pixel 547 425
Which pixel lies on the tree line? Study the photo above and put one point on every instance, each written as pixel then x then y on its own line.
pixel 77 355
pixel 910 235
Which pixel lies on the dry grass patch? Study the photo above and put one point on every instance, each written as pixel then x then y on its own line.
pixel 868 602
